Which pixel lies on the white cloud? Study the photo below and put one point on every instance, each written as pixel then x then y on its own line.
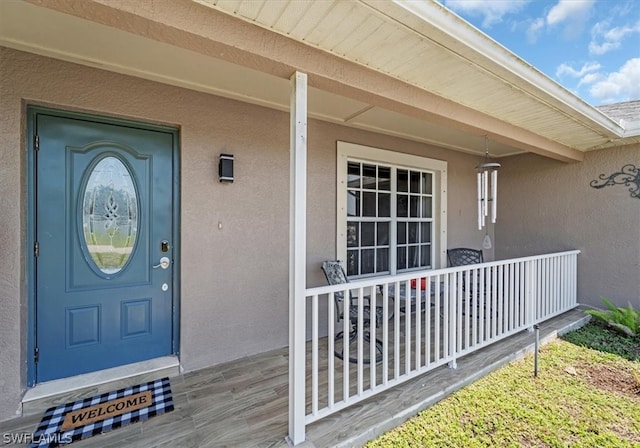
pixel 623 85
pixel 534 29
pixel 567 10
pixel 492 11
pixel 605 39
pixel 589 78
pixel 572 14
pixel 566 69
pixel 605 47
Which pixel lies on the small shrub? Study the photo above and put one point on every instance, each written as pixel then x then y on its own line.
pixel 600 336
pixel 624 320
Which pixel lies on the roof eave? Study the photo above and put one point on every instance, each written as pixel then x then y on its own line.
pixel 457 29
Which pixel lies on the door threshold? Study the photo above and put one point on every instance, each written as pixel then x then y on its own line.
pixel 52 393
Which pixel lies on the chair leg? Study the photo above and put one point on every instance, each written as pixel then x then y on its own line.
pixel 352 346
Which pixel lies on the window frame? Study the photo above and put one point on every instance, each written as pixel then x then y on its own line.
pixel 396 160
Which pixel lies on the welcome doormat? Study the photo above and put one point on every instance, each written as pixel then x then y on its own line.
pixel 81 419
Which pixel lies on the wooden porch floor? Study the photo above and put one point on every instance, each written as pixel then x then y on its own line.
pixel 244 403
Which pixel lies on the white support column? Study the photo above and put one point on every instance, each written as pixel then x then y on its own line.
pixel 297 256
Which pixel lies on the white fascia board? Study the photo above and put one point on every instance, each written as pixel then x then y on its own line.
pixel 631 128
pixel 453 25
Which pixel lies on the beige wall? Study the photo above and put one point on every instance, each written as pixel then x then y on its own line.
pixel 235 279
pixel 548 206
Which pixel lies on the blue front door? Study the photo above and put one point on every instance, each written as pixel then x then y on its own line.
pixel 104 216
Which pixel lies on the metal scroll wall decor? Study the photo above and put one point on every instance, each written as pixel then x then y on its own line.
pixel 629 176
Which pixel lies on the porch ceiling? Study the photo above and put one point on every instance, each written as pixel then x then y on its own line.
pixel 247 50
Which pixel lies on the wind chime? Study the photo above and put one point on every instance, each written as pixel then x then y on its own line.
pixel 486 185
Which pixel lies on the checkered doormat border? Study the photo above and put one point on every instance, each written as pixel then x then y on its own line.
pixel 49 433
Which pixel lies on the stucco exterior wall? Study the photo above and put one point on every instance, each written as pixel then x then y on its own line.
pixel 234 279
pixel 547 206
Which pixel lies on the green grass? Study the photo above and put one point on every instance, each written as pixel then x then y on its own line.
pixel 581 398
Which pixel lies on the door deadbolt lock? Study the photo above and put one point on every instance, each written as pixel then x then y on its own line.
pixel 164 263
pixel 164 246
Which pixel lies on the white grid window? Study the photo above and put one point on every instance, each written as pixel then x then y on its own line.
pixel 368 218
pixel 414 219
pixel 388 204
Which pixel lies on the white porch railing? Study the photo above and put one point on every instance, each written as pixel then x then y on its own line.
pixel 466 308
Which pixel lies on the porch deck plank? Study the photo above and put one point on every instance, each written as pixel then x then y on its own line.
pixel 244 403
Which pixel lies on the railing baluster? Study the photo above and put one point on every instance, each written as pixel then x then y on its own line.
pixel 541 296
pixel 373 355
pixel 437 311
pixel 551 288
pixel 482 308
pixel 346 324
pixel 462 313
pixel 516 295
pixel 396 331
pixel 314 354
pixel 552 274
pixel 427 325
pixel 565 283
pixel 505 299
pixel 501 299
pixel 523 279
pixel 470 316
pixel 543 289
pixel 455 317
pixel 331 310
pixel 574 284
pixel 539 292
pixel 418 345
pixel 360 356
pixel 407 328
pixel 535 294
pixel 449 320
pixel 529 294
pixel 547 310
pixel 512 297
pixel 558 285
pixel 385 334
pixel 494 302
pixel 559 279
pixel 487 305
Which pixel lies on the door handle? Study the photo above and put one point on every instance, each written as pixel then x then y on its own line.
pixel 164 263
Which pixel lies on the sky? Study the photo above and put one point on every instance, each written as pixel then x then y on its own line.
pixel 590 47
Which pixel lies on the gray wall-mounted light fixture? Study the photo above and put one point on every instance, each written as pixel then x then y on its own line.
pixel 225 168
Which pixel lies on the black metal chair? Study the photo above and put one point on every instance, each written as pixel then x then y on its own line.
pixel 463 256
pixel 335 274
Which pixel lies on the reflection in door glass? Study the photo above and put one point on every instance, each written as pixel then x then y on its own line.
pixel 110 215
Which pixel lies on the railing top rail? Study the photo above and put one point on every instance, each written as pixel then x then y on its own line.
pixel 388 279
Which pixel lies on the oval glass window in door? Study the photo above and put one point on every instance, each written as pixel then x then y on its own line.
pixel 110 215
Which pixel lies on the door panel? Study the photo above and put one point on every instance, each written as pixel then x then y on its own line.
pixel 104 203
